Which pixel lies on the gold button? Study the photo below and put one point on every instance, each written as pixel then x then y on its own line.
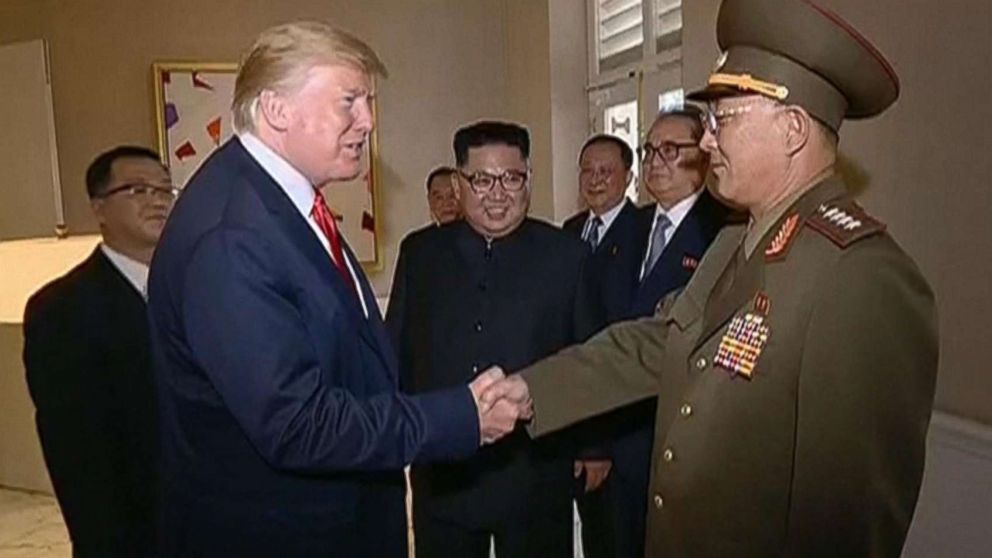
pixel 701 363
pixel 668 455
pixel 686 410
pixel 658 501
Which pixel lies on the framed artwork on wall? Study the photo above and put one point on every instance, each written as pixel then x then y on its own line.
pixel 193 117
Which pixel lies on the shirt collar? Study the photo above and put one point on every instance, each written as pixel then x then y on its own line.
pixel 676 214
pixel 608 217
pixel 294 184
pixel 134 271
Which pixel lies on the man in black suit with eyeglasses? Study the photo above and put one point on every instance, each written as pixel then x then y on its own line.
pixel 88 365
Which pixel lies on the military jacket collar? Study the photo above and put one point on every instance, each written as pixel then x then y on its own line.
pixel 748 273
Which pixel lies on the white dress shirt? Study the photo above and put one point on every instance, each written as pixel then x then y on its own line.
pixel 676 214
pixel 134 271
pixel 300 192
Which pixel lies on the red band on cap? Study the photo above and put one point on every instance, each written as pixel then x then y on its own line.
pixel 857 37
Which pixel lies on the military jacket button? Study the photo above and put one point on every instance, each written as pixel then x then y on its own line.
pixel 686 410
pixel 701 363
pixel 668 454
pixel 658 501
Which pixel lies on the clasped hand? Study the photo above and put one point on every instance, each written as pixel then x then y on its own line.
pixel 502 401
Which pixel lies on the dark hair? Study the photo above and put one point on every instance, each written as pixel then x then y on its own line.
pixel 626 153
pixel 690 112
pixel 439 171
pixel 98 173
pixel 489 133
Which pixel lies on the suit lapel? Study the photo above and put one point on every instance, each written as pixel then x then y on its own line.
pixel 748 278
pixel 299 232
pixel 373 330
pixel 688 240
pixel 101 267
pixel 614 240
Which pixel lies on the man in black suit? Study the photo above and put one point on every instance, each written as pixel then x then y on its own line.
pixel 682 223
pixel 442 199
pixel 88 366
pixel 616 232
pixel 283 431
pixel 495 288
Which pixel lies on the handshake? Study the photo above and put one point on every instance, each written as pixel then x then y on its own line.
pixel 501 401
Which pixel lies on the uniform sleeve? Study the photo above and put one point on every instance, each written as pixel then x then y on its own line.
pixel 866 388
pixel 249 335
pixel 617 367
pixel 76 426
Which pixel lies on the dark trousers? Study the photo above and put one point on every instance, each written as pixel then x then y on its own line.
pixel 613 518
pixel 544 534
pixel 599 520
pixel 437 537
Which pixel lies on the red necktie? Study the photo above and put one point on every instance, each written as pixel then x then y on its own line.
pixel 329 226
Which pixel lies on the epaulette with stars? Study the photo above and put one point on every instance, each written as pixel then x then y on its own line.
pixel 844 223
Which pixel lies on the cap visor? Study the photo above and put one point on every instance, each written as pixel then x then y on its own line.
pixel 711 92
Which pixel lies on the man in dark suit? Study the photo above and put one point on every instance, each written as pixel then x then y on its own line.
pixel 283 431
pixel 616 232
pixel 682 222
pixel 442 199
pixel 88 368
pixel 497 287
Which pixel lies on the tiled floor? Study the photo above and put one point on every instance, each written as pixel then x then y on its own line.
pixel 31 527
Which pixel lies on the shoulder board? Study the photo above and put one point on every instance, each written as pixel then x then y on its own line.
pixel 844 223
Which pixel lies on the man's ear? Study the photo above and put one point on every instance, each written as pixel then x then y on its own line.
pixel 798 127
pixel 96 204
pixel 455 186
pixel 274 109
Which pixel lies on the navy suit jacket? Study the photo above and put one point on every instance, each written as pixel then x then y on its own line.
pixel 616 263
pixel 283 432
pixel 632 449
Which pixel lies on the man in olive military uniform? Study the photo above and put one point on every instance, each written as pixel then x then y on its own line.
pixel 795 373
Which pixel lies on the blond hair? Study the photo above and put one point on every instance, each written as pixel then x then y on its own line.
pixel 281 57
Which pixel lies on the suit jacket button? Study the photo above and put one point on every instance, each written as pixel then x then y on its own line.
pixel 701 363
pixel 475 368
pixel 658 501
pixel 686 410
pixel 668 455
pixel 478 326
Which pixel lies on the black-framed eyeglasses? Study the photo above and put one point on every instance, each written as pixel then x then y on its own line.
pixel 667 150
pixel 142 190
pixel 482 182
